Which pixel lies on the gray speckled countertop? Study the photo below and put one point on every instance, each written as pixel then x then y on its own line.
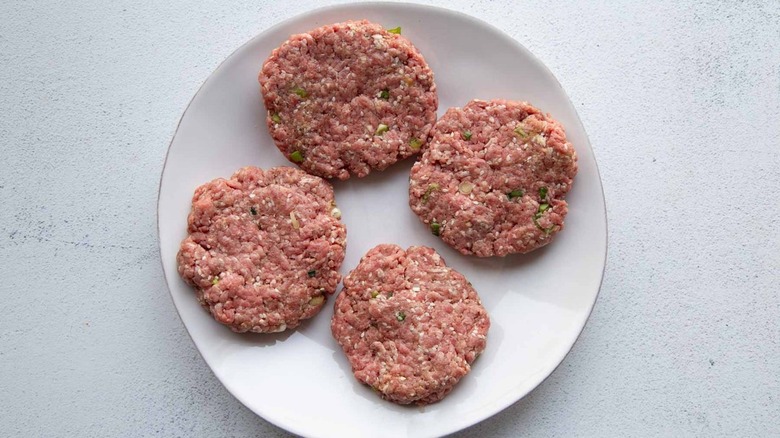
pixel 682 103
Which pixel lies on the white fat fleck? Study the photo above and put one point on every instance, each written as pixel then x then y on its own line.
pixel 251 196
pixel 294 220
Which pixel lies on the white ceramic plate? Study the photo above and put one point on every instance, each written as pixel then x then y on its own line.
pixel 538 303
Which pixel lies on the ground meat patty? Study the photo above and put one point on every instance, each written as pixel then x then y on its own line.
pixel 348 98
pixel 493 177
pixel 264 248
pixel 409 325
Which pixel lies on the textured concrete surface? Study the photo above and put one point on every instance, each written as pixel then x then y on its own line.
pixel 682 103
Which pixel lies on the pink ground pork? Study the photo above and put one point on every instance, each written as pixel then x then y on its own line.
pixel 264 248
pixel 409 325
pixel 348 98
pixel 492 179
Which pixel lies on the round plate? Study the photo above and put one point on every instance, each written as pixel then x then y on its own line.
pixel 538 303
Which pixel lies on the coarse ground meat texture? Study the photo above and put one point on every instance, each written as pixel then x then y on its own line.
pixel 264 248
pixel 491 182
pixel 347 98
pixel 409 325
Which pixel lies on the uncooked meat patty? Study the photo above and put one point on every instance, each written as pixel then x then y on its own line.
pixel 347 98
pixel 264 248
pixel 493 177
pixel 409 325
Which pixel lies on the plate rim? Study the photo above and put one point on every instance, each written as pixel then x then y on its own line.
pixel 499 404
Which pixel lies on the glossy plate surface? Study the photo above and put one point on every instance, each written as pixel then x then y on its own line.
pixel 538 303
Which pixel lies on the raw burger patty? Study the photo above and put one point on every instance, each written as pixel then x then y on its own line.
pixel 493 177
pixel 347 98
pixel 409 325
pixel 264 248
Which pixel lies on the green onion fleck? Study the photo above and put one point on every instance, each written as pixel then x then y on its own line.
pixel 435 228
pixel 390 295
pixel 466 135
pixel 542 193
pixel 538 215
pixel 384 94
pixel 300 92
pixel 431 188
pixel 521 132
pixel 415 144
pixel 214 281
pixel 465 187
pixel 516 193
pixel 400 315
pixel 395 30
pixel 374 293
pixel 311 273
pixel 381 129
pixel 296 157
pixel 253 211
pixel 275 117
